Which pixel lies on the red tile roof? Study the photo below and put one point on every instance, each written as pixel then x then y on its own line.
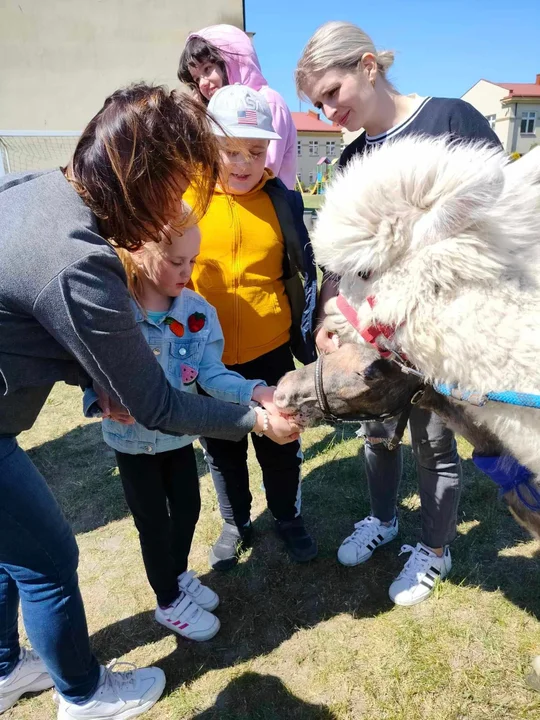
pixel 310 122
pixel 520 89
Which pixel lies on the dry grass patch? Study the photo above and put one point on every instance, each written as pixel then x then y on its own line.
pixel 319 641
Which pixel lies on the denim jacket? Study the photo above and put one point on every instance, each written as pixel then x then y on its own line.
pixel 188 344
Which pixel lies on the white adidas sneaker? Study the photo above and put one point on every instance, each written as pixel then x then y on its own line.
pixel 186 618
pixel 206 598
pixel 416 581
pixel 29 675
pixel 368 535
pixel 119 695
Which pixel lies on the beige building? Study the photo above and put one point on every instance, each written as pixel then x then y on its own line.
pixel 317 140
pixel 512 109
pixel 59 59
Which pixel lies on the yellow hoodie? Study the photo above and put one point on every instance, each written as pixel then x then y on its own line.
pixel 239 271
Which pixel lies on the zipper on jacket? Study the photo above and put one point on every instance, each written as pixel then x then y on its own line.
pixel 235 278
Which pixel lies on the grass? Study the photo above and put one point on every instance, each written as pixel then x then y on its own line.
pixel 319 641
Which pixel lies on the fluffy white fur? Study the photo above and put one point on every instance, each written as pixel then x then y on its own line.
pixel 451 235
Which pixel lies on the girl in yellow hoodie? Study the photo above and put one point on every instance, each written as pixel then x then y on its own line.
pixel 257 269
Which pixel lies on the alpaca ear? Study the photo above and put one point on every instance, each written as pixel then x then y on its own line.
pixel 465 203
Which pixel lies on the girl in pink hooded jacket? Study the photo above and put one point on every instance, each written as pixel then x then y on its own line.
pixel 224 55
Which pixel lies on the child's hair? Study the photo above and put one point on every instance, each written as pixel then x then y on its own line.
pixel 198 50
pixel 133 271
pixel 137 155
pixel 340 45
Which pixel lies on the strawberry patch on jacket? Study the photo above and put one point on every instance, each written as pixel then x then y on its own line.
pixel 189 374
pixel 196 322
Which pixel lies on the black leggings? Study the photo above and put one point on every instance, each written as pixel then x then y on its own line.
pixel 280 464
pixel 162 492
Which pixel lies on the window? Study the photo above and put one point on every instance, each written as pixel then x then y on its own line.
pixel 330 148
pixel 314 148
pixel 342 147
pixel 299 148
pixel 491 120
pixel 527 122
pixel 311 176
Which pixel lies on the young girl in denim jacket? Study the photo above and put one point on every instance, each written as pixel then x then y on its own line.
pixel 159 471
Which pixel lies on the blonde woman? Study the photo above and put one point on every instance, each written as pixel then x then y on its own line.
pixel 343 74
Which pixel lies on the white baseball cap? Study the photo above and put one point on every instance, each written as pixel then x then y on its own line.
pixel 242 113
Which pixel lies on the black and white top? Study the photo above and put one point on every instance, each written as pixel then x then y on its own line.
pixel 435 117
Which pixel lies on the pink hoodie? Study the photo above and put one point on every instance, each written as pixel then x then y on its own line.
pixel 243 67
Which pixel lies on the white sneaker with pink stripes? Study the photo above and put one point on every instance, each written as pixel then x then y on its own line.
pixel 186 618
pixel 204 596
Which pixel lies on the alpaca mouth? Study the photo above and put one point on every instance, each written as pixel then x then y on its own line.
pixel 300 418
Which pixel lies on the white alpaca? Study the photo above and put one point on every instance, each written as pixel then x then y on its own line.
pixel 449 235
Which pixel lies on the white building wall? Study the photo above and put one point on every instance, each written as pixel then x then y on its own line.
pixel 486 98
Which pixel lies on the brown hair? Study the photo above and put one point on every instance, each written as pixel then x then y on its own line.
pixel 135 158
pixel 198 50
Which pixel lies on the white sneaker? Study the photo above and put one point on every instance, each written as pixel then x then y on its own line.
pixel 368 535
pixel 186 618
pixel 119 695
pixel 417 579
pixel 28 675
pixel 206 598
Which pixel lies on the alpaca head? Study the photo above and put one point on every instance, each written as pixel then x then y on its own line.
pixel 403 197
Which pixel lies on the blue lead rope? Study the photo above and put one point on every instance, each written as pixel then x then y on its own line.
pixel 509 475
pixel 508 396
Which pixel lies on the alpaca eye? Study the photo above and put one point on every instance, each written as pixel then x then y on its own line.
pixel 364 275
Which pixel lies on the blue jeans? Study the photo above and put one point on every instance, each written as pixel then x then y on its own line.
pixel 38 566
pixel 439 474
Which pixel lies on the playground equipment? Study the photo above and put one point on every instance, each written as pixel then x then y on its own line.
pixel 325 171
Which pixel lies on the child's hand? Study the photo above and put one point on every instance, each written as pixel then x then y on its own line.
pixel 263 394
pixel 265 397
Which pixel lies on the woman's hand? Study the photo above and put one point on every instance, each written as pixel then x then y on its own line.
pixel 278 428
pixel 323 335
pixel 111 409
pixel 324 340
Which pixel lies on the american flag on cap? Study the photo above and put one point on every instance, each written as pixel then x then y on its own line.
pixel 247 117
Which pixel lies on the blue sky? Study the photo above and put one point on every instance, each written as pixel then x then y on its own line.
pixel 442 46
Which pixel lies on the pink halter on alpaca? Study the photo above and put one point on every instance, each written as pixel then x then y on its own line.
pixel 371 333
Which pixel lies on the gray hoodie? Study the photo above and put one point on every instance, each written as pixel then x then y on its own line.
pixel 65 314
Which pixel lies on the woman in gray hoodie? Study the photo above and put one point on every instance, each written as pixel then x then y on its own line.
pixel 65 315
